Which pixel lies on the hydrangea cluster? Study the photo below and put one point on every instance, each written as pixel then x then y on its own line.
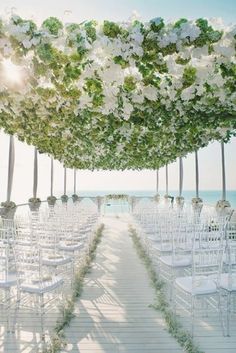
pixel 111 95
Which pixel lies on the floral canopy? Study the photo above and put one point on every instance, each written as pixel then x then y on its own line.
pixel 117 95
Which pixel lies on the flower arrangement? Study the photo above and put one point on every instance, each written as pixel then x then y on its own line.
pixel 143 93
pixel 222 204
pixel 179 200
pixel 34 200
pixel 51 200
pixel 197 201
pixel 117 197
pixel 8 209
pixel 8 205
pixel 64 198
pixel 157 198
pixel 75 198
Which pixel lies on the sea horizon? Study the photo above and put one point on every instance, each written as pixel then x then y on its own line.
pixel 209 197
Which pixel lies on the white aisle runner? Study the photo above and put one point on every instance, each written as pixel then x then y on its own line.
pixel 113 314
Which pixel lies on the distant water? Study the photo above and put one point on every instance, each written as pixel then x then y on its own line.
pixel 209 197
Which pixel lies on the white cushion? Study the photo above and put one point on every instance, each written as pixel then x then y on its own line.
pixel 228 282
pixel 166 247
pixel 176 261
pixel 42 287
pixel 70 246
pixel 198 286
pixel 57 261
pixel 8 282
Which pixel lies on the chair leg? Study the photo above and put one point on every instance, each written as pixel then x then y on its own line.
pixel 228 314
pixel 192 314
pixel 18 298
pixel 8 306
pixel 41 302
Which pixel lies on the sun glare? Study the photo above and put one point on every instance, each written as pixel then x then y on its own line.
pixel 12 73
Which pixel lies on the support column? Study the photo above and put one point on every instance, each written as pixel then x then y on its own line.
pixel 223 203
pixel 9 207
pixel 157 196
pixel 197 202
pixel 64 197
pixel 167 182
pixel 34 202
pixel 180 198
pixel 51 199
pixel 75 197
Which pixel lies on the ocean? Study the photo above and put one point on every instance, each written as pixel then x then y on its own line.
pixel 210 197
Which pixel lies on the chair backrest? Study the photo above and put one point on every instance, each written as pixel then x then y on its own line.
pixel 207 253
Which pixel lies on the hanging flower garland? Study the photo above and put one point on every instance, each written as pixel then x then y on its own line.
pixel 117 95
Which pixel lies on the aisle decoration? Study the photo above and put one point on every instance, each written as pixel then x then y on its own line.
pixel 57 340
pixel 174 326
pixel 109 95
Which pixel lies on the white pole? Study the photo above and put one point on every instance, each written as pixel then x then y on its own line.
pixel 167 187
pixel 223 171
pixel 157 181
pixel 74 181
pixel 181 175
pixel 35 177
pixel 11 162
pixel 197 174
pixel 51 186
pixel 64 181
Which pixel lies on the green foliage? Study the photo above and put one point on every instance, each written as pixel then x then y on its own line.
pixel 179 23
pixel 129 83
pixel 76 111
pixel 53 25
pixel 111 29
pixel 157 24
pixel 189 76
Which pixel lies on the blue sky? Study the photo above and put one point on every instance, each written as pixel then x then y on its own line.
pixel 119 10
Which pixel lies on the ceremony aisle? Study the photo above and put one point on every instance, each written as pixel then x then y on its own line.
pixel 114 313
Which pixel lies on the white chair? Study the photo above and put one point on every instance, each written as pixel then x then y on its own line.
pixel 227 281
pixel 205 270
pixel 35 280
pixel 8 277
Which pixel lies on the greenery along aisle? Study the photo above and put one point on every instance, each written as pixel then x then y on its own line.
pixel 58 341
pixel 173 325
pixel 111 95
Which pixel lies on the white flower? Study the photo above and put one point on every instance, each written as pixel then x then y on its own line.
pixel 27 43
pixel 225 47
pixel 137 98
pixel 189 29
pixel 127 109
pixel 188 93
pixel 150 92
